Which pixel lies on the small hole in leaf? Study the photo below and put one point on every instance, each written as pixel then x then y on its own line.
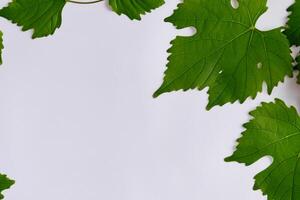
pixel 259 65
pixel 188 31
pixel 220 72
pixel 235 4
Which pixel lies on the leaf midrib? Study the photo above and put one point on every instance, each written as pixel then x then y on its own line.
pixel 297 133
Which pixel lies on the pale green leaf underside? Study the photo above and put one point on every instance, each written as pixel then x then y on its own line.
pixel 5 183
pixel 293 26
pixel 273 131
pixel 134 8
pixel 227 54
pixel 43 16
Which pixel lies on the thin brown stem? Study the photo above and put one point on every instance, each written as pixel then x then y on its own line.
pixel 82 2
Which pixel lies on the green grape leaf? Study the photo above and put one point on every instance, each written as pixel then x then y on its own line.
pixel 134 8
pixel 274 131
pixel 43 16
pixel 5 183
pixel 227 53
pixel 293 25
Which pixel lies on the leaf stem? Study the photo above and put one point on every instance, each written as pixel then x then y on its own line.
pixel 82 2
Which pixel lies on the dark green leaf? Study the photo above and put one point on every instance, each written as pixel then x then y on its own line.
pixel 273 131
pixel 43 16
pixel 5 183
pixel 134 8
pixel 227 54
pixel 293 25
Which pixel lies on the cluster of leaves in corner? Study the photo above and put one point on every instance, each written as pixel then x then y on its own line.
pixel 228 53
pixel 231 57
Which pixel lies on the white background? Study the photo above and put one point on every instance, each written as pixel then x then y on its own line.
pixel 78 121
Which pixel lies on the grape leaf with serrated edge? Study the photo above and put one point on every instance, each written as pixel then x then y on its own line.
pixel 5 183
pixel 227 54
pixel 273 131
pixel 134 8
pixel 43 16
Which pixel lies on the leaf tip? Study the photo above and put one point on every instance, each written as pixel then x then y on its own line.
pixel 167 19
pixel 228 159
pixel 156 94
pixel 210 105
